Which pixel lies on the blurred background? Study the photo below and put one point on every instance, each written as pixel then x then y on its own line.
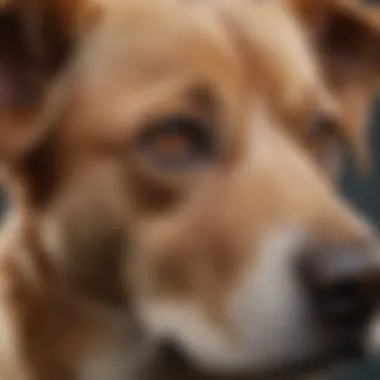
pixel 4 204
pixel 365 194
pixel 364 191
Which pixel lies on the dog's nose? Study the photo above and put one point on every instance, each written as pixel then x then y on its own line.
pixel 343 281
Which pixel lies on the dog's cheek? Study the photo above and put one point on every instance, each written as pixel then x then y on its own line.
pixel 330 160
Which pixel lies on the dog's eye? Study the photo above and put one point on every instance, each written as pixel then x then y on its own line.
pixel 322 127
pixel 177 141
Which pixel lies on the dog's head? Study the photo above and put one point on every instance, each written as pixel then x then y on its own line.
pixel 191 144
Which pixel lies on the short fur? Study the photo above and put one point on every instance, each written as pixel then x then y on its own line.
pixel 107 254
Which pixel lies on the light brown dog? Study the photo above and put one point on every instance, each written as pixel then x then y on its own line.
pixel 170 168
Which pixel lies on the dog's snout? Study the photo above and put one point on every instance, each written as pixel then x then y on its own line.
pixel 343 281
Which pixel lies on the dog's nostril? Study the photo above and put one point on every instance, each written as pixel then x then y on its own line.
pixel 171 356
pixel 346 302
pixel 343 283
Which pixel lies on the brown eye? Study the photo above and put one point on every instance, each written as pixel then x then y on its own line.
pixel 177 141
pixel 322 128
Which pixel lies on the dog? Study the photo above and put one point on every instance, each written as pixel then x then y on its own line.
pixel 171 170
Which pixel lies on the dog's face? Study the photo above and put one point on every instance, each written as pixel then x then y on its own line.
pixel 193 144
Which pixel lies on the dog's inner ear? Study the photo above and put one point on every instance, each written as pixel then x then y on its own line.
pixel 33 45
pixel 346 34
pixel 36 38
pixel 351 47
pixel 16 62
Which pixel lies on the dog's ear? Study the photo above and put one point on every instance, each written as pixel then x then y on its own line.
pixel 36 39
pixel 346 34
pixel 339 39
pixel 346 38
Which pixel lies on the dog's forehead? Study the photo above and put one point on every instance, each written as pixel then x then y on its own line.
pixel 141 52
pixel 177 37
pixel 145 47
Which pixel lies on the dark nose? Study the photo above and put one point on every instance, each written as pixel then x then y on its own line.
pixel 343 281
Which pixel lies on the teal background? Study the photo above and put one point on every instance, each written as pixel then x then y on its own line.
pixel 364 191
pixel 365 194
pixel 3 202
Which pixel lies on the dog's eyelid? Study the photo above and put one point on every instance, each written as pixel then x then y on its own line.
pixel 204 100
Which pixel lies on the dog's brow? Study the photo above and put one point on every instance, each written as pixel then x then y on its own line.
pixel 204 99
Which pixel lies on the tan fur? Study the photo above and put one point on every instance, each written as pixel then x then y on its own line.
pixel 104 239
